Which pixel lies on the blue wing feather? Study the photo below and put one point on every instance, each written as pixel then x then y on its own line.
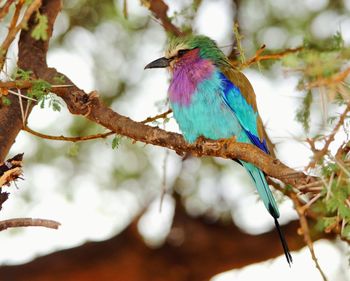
pixel 244 112
pixel 257 142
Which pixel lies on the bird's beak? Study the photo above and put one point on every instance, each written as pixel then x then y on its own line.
pixel 159 63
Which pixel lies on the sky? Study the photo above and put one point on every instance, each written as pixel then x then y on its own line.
pixel 99 214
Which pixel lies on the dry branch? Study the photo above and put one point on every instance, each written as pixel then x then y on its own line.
pixel 22 222
pixel 319 154
pixel 11 170
pixel 159 10
pixel 14 29
pixel 90 137
pixel 5 8
pixel 31 56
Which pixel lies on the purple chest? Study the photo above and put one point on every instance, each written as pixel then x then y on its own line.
pixel 187 74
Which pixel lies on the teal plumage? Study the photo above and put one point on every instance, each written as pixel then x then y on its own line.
pixel 210 98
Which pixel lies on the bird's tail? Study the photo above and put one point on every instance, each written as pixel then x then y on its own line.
pixel 269 202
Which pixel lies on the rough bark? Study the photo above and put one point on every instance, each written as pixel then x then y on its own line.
pixel 31 56
pixel 10 125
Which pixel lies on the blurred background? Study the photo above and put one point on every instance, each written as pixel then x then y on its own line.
pixel 97 193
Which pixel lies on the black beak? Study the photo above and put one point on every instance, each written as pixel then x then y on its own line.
pixel 159 63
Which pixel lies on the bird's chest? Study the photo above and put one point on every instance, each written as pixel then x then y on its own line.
pixel 205 113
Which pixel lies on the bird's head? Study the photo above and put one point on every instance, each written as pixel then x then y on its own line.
pixel 187 49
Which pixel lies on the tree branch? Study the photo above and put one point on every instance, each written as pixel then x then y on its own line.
pixel 159 10
pixel 319 154
pixel 5 8
pixel 31 56
pixel 21 222
pixel 90 137
pixel 93 108
pixel 306 233
pixel 14 29
pixel 10 170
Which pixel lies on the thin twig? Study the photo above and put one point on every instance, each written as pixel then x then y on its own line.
pixel 159 116
pixel 318 154
pixel 305 232
pixel 26 113
pixel 63 138
pixel 20 101
pixel 308 204
pixel 4 9
pixel 90 137
pixel 341 164
pixel 159 9
pixel 23 96
pixel 258 57
pixel 13 31
pixel 329 186
pixel 125 9
pixel 15 16
pixel 334 79
pixel 164 183
pixel 21 222
pixel 26 84
pixel 308 185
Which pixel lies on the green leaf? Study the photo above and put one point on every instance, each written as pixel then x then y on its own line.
pixel 21 74
pixel 303 114
pixel 116 141
pixel 39 88
pixel 291 61
pixel 344 211
pixel 5 101
pixel 56 105
pixel 332 205
pixel 73 150
pixel 346 231
pixel 54 102
pixel 329 169
pixel 59 79
pixel 325 222
pixel 42 103
pixel 40 30
pixel 337 42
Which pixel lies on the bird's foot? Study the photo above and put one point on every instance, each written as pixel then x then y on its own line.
pixel 200 141
pixel 225 143
pixel 215 144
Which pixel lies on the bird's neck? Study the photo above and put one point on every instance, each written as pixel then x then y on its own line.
pixel 186 76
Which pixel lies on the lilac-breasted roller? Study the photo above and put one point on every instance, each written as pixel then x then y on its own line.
pixel 212 99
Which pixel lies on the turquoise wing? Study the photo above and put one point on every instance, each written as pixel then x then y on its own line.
pixel 244 112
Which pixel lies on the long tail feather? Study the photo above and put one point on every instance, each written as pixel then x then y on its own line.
pixel 284 243
pixel 269 202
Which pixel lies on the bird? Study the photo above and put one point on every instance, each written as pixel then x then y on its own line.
pixel 212 99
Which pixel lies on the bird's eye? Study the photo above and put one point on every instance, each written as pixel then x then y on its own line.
pixel 180 53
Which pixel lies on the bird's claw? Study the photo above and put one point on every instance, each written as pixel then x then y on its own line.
pixel 215 144
pixel 227 142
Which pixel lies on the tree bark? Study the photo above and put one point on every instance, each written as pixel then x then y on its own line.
pixel 31 56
